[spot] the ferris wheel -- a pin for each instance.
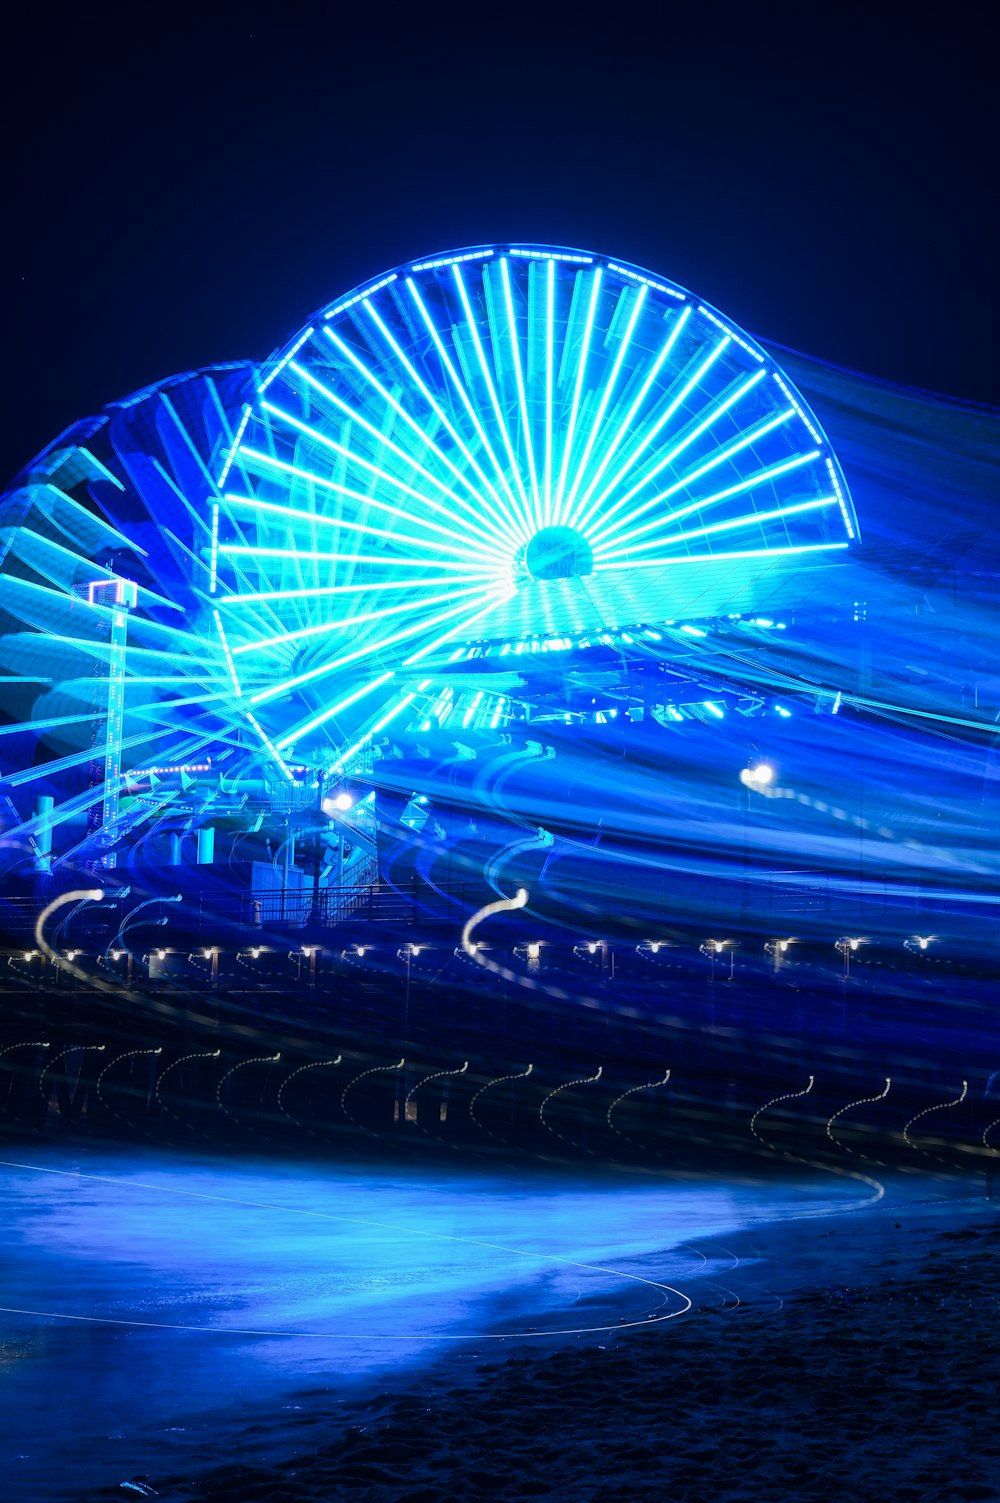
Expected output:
(485, 457)
(495, 446)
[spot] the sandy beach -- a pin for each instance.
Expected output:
(849, 1357)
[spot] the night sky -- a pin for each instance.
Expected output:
(185, 188)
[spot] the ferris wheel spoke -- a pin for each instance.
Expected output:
(305, 727)
(274, 508)
(235, 435)
(314, 591)
(509, 519)
(702, 503)
(477, 344)
(550, 309)
(358, 619)
(490, 536)
(673, 454)
(322, 669)
(496, 516)
(625, 427)
(79, 758)
(656, 428)
(751, 519)
(720, 456)
(459, 626)
(335, 488)
(382, 439)
(581, 369)
(522, 398)
(607, 390)
(239, 572)
(380, 725)
(382, 560)
(410, 422)
(719, 557)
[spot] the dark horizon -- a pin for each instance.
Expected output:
(183, 197)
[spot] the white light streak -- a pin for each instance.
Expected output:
(581, 369)
(234, 446)
(342, 704)
(439, 413)
(274, 508)
(704, 558)
(609, 387)
(515, 352)
(228, 655)
(352, 657)
(702, 503)
(491, 533)
(509, 520)
(718, 411)
(477, 345)
(700, 532)
(361, 497)
(379, 725)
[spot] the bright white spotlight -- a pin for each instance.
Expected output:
(758, 776)
(338, 803)
(534, 950)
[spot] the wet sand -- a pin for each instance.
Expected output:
(852, 1357)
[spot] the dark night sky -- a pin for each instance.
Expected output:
(186, 189)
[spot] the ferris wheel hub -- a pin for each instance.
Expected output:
(558, 553)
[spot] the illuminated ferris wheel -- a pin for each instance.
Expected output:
(494, 447)
(483, 458)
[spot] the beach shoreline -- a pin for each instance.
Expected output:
(850, 1355)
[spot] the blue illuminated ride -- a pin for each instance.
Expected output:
(254, 575)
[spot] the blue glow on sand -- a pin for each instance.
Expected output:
(383, 1268)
